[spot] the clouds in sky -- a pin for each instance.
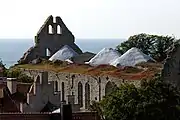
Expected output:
(91, 18)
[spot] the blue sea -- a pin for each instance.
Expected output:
(11, 50)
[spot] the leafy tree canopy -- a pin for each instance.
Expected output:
(154, 100)
(153, 45)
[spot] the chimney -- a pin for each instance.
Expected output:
(12, 84)
(71, 99)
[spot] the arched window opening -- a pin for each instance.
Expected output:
(110, 86)
(56, 86)
(87, 96)
(36, 84)
(72, 81)
(50, 29)
(80, 94)
(37, 80)
(48, 52)
(59, 31)
(99, 88)
(62, 90)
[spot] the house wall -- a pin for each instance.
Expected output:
(97, 85)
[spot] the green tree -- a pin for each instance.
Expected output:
(16, 73)
(154, 100)
(153, 45)
(3, 68)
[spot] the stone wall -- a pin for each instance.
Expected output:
(48, 116)
(40, 93)
(24, 116)
(51, 37)
(93, 87)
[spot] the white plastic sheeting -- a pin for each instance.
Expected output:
(69, 61)
(64, 53)
(132, 57)
(57, 111)
(105, 56)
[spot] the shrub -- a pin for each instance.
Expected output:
(154, 100)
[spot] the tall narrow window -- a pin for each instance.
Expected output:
(59, 31)
(99, 88)
(179, 67)
(62, 90)
(80, 94)
(87, 95)
(56, 86)
(50, 29)
(73, 76)
(110, 87)
(37, 79)
(48, 52)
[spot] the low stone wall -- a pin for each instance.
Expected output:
(24, 116)
(48, 116)
(85, 116)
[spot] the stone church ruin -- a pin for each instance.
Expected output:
(78, 84)
(51, 37)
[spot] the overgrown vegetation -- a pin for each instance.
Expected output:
(153, 45)
(16, 73)
(154, 100)
(3, 68)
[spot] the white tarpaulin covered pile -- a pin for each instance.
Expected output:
(105, 56)
(64, 53)
(57, 111)
(132, 57)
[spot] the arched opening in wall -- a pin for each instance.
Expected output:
(110, 86)
(59, 30)
(80, 94)
(56, 86)
(62, 90)
(48, 52)
(99, 82)
(36, 84)
(37, 79)
(50, 29)
(87, 96)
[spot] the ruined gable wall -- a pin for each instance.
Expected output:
(54, 41)
(53, 35)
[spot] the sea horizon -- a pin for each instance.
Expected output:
(11, 50)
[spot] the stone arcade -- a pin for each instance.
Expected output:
(80, 89)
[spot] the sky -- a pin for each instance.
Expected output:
(91, 18)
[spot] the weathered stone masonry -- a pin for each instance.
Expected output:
(51, 37)
(84, 88)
